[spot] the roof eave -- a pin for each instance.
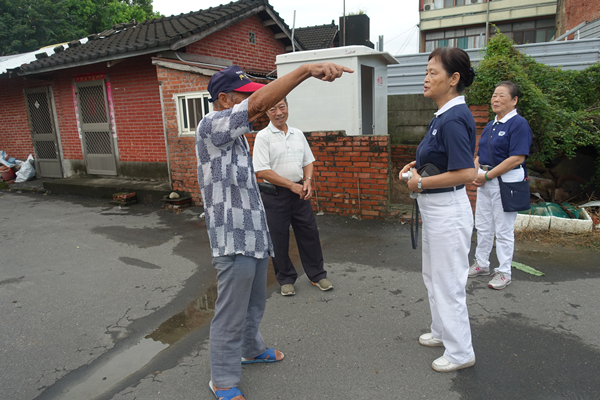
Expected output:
(82, 63)
(283, 27)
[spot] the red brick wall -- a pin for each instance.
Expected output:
(137, 106)
(182, 153)
(578, 11)
(343, 164)
(138, 110)
(233, 44)
(15, 138)
(346, 166)
(136, 101)
(351, 171)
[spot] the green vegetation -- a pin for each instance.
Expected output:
(562, 106)
(27, 25)
(358, 12)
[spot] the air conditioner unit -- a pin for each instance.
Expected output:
(428, 7)
(476, 1)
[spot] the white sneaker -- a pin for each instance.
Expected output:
(443, 365)
(428, 340)
(476, 270)
(499, 281)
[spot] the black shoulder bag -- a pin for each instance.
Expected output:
(515, 195)
(425, 171)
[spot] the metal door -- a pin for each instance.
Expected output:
(97, 139)
(40, 111)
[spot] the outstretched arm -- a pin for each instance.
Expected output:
(264, 98)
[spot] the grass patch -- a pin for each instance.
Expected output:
(578, 241)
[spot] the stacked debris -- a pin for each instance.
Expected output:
(175, 201)
(13, 170)
(124, 198)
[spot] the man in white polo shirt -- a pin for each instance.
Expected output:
(283, 158)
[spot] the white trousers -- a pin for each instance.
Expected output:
(490, 220)
(447, 229)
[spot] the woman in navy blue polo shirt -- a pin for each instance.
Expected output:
(445, 208)
(508, 138)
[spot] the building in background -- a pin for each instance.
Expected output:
(579, 17)
(463, 23)
(318, 37)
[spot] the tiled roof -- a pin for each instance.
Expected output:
(151, 36)
(317, 37)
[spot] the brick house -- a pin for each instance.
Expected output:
(125, 102)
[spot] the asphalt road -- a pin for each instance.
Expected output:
(108, 303)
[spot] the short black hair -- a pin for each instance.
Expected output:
(454, 60)
(513, 89)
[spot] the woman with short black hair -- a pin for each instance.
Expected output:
(445, 207)
(503, 149)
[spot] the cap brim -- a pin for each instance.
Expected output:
(250, 87)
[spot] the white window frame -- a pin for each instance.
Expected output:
(183, 116)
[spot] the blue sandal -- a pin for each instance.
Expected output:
(268, 356)
(225, 394)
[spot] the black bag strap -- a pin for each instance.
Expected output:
(414, 229)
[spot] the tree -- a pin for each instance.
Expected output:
(27, 25)
(561, 106)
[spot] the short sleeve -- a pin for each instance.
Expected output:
(260, 154)
(308, 155)
(228, 125)
(520, 138)
(459, 145)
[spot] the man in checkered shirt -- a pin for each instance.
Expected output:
(235, 217)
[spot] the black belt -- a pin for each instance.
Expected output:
(443, 190)
(487, 168)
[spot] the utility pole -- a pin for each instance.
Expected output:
(344, 19)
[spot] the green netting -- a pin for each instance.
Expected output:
(546, 210)
(552, 210)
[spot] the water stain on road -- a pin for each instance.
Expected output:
(136, 262)
(539, 363)
(198, 312)
(120, 367)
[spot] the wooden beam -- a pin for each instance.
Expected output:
(195, 58)
(280, 35)
(269, 22)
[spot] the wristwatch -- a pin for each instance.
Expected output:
(419, 185)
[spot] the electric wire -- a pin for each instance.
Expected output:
(407, 41)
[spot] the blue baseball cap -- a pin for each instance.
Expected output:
(231, 79)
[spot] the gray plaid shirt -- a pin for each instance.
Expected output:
(235, 217)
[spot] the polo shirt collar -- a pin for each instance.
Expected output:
(273, 129)
(506, 117)
(454, 102)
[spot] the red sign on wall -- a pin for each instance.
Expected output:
(89, 77)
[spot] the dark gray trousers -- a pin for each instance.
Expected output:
(284, 209)
(234, 332)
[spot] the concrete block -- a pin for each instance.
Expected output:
(410, 117)
(537, 222)
(411, 102)
(582, 225)
(531, 222)
(407, 134)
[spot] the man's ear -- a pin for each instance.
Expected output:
(225, 100)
